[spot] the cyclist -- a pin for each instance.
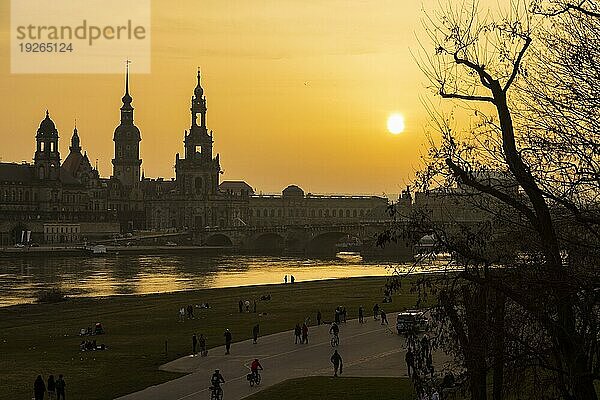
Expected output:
(254, 367)
(216, 381)
(335, 329)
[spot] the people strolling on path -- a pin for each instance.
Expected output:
(51, 387)
(240, 305)
(255, 331)
(319, 317)
(60, 388)
(361, 315)
(376, 311)
(383, 315)
(228, 338)
(297, 334)
(194, 344)
(304, 333)
(202, 344)
(410, 361)
(39, 388)
(336, 360)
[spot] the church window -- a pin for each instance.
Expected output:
(341, 214)
(362, 213)
(348, 213)
(334, 213)
(42, 172)
(42, 146)
(354, 213)
(327, 213)
(272, 212)
(320, 213)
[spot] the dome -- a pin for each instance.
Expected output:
(293, 191)
(47, 126)
(127, 132)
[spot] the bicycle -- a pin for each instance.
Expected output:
(335, 340)
(253, 378)
(216, 393)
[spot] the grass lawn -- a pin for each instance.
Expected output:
(43, 338)
(341, 388)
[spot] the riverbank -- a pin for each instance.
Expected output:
(85, 251)
(43, 338)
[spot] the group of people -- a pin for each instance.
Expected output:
(301, 333)
(340, 314)
(188, 311)
(419, 364)
(91, 345)
(292, 279)
(199, 343)
(54, 388)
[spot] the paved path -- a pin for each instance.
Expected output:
(367, 349)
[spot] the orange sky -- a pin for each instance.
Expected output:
(298, 92)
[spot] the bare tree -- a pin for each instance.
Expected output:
(530, 76)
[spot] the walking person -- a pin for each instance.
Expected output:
(227, 335)
(361, 315)
(240, 305)
(254, 308)
(336, 360)
(297, 333)
(51, 388)
(285, 279)
(194, 344)
(255, 331)
(383, 315)
(202, 343)
(39, 388)
(410, 361)
(292, 279)
(376, 311)
(318, 317)
(60, 388)
(305, 333)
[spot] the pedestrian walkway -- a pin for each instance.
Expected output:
(368, 350)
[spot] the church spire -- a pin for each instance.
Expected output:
(198, 91)
(126, 108)
(75, 145)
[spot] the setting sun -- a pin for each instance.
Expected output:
(395, 124)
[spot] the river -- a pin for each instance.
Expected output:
(22, 278)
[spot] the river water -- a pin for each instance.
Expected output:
(22, 279)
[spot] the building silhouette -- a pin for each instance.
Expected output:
(53, 202)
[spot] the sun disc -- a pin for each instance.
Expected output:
(395, 124)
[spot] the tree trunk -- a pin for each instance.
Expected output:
(498, 350)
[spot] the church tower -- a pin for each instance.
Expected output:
(127, 138)
(47, 156)
(198, 173)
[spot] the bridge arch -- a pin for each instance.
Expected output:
(325, 243)
(218, 239)
(268, 241)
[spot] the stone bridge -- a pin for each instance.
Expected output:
(303, 239)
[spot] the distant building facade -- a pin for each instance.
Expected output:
(49, 201)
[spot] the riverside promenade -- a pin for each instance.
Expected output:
(368, 350)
